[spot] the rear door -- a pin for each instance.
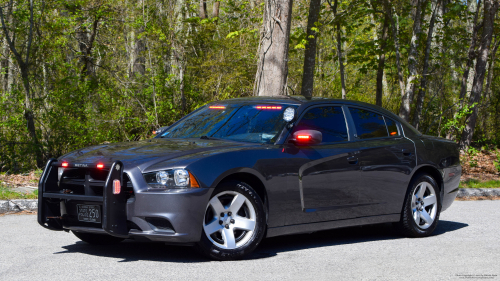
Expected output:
(326, 175)
(386, 160)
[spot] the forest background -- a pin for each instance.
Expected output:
(81, 72)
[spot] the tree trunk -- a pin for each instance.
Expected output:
(423, 81)
(139, 62)
(24, 68)
(203, 9)
(491, 68)
(406, 100)
(310, 52)
(381, 63)
(490, 9)
(471, 55)
(341, 63)
(85, 42)
(395, 37)
(181, 87)
(215, 9)
(272, 68)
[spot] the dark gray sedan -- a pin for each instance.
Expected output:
(233, 172)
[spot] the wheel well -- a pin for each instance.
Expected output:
(254, 182)
(434, 173)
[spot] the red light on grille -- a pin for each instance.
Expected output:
(117, 187)
(217, 107)
(394, 133)
(268, 107)
(303, 137)
(64, 164)
(100, 166)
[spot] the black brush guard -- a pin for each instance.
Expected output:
(51, 205)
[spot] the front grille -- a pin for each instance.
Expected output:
(86, 181)
(83, 181)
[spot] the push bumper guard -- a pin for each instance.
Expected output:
(52, 202)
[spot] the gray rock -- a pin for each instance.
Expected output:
(26, 205)
(20, 205)
(4, 206)
(478, 192)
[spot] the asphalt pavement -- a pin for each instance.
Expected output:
(465, 246)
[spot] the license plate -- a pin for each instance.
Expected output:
(89, 213)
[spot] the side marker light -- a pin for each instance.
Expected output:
(117, 187)
(194, 182)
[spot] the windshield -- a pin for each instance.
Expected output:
(249, 123)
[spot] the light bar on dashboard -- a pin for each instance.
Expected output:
(217, 107)
(267, 107)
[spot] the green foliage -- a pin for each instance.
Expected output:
(151, 62)
(8, 194)
(474, 183)
(497, 162)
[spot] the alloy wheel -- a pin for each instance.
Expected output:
(424, 205)
(230, 220)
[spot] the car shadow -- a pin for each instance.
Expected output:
(129, 251)
(352, 235)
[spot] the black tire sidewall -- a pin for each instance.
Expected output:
(407, 224)
(214, 252)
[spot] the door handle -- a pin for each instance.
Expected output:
(406, 152)
(352, 160)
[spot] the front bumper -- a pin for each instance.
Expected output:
(171, 216)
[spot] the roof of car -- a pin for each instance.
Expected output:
(299, 100)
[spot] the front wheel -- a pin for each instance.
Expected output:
(234, 222)
(422, 207)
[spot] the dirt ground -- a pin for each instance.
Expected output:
(480, 166)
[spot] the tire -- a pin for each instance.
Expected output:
(422, 207)
(241, 228)
(97, 239)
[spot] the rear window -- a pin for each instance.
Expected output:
(368, 124)
(391, 127)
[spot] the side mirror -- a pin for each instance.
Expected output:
(307, 137)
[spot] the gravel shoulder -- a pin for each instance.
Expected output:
(465, 244)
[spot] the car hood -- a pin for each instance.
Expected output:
(144, 153)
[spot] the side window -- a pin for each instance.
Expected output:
(368, 124)
(329, 120)
(391, 127)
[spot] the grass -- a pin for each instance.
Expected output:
(8, 194)
(473, 183)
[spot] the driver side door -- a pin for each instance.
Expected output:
(327, 173)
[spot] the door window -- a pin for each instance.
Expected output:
(368, 124)
(329, 120)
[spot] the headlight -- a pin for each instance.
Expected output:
(178, 178)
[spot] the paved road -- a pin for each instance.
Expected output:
(465, 244)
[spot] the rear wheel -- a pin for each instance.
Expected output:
(97, 239)
(234, 222)
(422, 207)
